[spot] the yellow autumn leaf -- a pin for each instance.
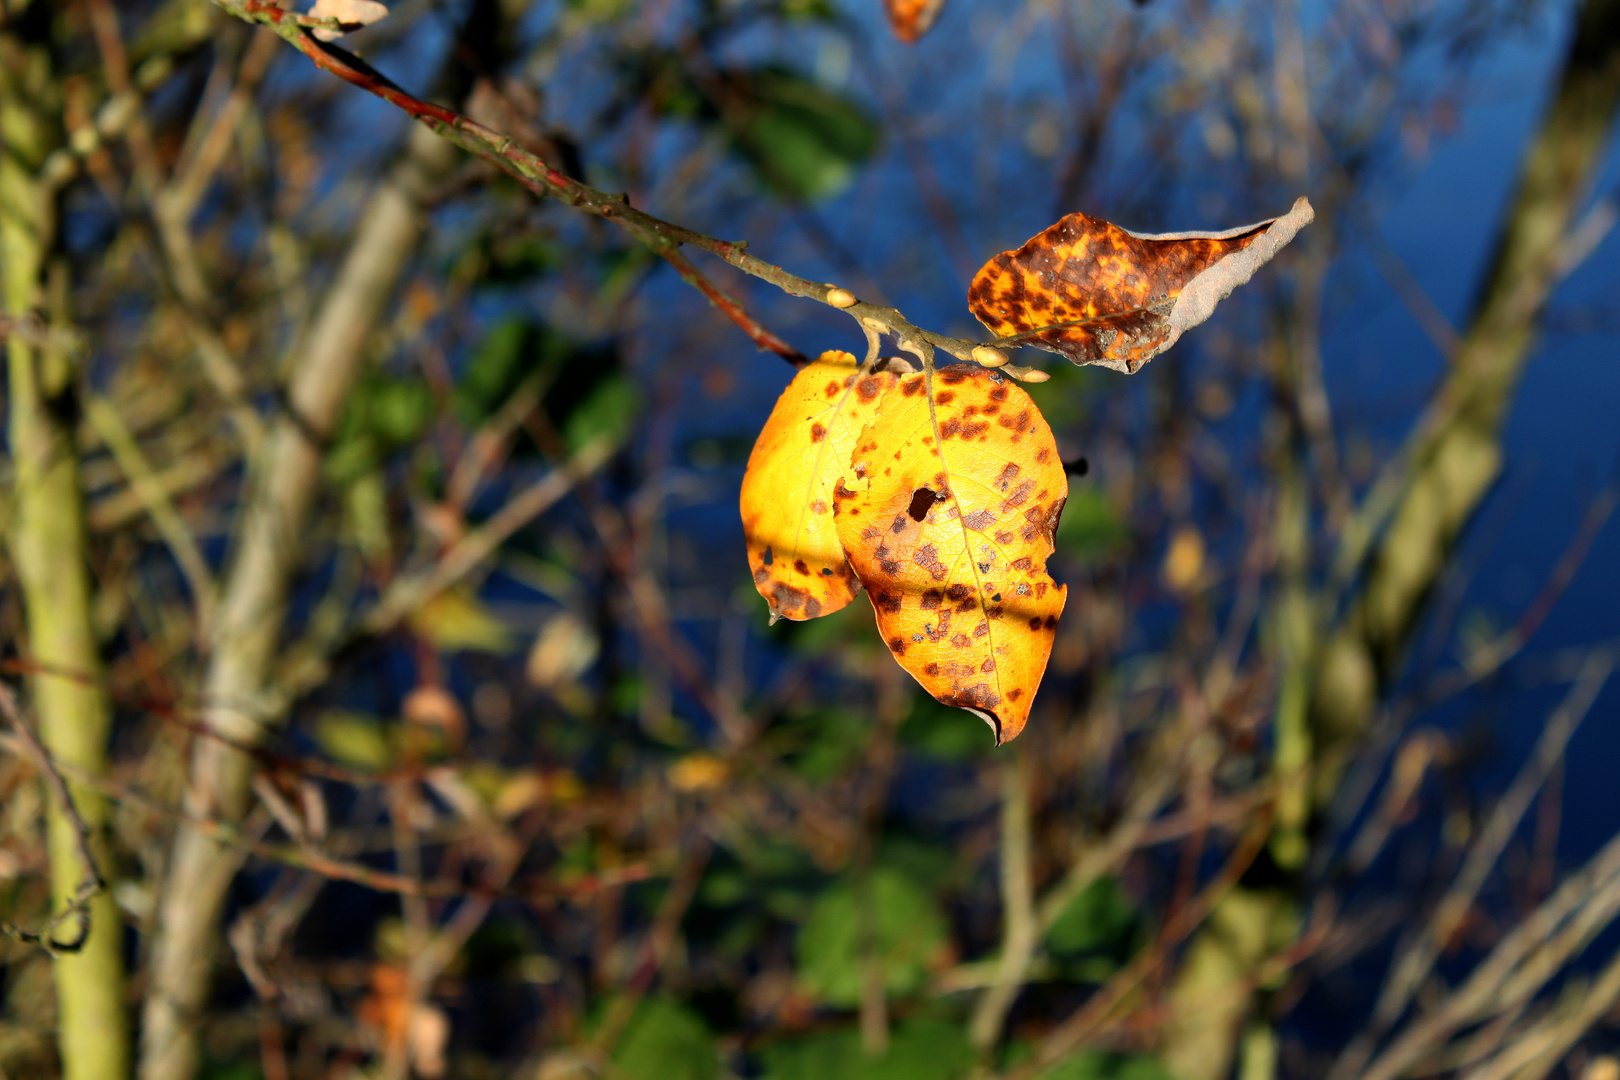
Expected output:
(787, 492)
(948, 517)
(456, 619)
(1184, 560)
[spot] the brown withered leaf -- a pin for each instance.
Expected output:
(947, 518)
(1100, 294)
(911, 19)
(787, 492)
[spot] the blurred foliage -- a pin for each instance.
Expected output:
(918, 1050)
(666, 1041)
(884, 918)
(596, 744)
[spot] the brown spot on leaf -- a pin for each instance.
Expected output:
(977, 696)
(928, 558)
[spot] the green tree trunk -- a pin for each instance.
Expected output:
(48, 547)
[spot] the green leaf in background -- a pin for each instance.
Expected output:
(606, 411)
(1102, 1065)
(399, 409)
(456, 619)
(357, 740)
(803, 140)
(944, 734)
(821, 744)
(908, 924)
(918, 1050)
(495, 369)
(381, 415)
(1090, 528)
(1101, 917)
(665, 1040)
(928, 863)
(229, 1070)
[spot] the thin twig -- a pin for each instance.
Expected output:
(505, 153)
(91, 883)
(1417, 957)
(1021, 934)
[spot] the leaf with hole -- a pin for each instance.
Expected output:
(956, 489)
(1100, 294)
(787, 491)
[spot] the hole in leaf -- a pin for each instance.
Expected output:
(921, 500)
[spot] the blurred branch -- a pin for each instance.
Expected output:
(184, 272)
(1086, 1020)
(237, 687)
(1022, 930)
(1455, 454)
(144, 482)
(1417, 955)
(1518, 967)
(92, 884)
(503, 152)
(406, 594)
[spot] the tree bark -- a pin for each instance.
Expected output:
(49, 549)
(239, 701)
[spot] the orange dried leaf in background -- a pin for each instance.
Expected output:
(948, 519)
(787, 492)
(1135, 294)
(911, 19)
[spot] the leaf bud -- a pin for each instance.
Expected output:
(988, 357)
(840, 298)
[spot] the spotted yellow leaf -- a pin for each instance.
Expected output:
(787, 492)
(947, 517)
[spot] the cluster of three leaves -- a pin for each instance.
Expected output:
(939, 492)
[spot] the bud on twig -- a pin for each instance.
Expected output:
(840, 298)
(1024, 374)
(991, 358)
